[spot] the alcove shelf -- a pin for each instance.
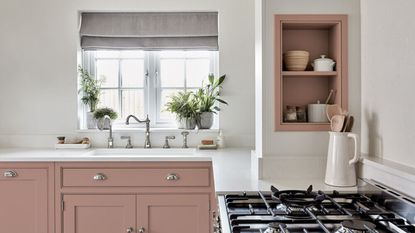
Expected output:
(319, 35)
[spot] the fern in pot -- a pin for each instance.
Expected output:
(99, 115)
(207, 98)
(91, 91)
(185, 106)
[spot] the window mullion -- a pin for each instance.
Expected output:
(120, 108)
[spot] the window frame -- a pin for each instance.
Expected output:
(152, 88)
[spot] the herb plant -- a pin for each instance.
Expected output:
(184, 105)
(101, 112)
(90, 89)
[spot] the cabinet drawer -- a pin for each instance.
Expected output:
(134, 177)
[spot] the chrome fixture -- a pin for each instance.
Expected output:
(130, 230)
(129, 145)
(172, 177)
(110, 143)
(185, 134)
(147, 143)
(10, 173)
(166, 142)
(100, 176)
(141, 230)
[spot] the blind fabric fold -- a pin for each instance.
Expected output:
(149, 31)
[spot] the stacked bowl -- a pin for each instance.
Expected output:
(296, 60)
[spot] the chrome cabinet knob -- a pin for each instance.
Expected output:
(100, 176)
(10, 173)
(172, 177)
(130, 230)
(141, 230)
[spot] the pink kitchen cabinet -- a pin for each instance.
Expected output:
(185, 213)
(26, 198)
(139, 197)
(99, 213)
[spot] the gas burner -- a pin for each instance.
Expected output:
(354, 226)
(275, 227)
(297, 198)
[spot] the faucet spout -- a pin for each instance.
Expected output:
(101, 127)
(147, 143)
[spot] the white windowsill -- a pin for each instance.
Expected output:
(154, 130)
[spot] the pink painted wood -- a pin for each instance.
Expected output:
(26, 200)
(99, 213)
(130, 187)
(173, 213)
(318, 34)
(147, 177)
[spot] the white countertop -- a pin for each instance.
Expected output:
(231, 167)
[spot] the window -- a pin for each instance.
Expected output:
(140, 82)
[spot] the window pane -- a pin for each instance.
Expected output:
(132, 54)
(198, 54)
(107, 54)
(109, 98)
(133, 103)
(108, 71)
(132, 73)
(197, 70)
(172, 72)
(165, 97)
(172, 54)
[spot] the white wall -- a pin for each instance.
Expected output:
(38, 47)
(307, 149)
(388, 68)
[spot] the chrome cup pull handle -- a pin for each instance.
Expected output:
(130, 230)
(100, 176)
(10, 173)
(172, 177)
(141, 230)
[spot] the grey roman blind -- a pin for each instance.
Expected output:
(149, 30)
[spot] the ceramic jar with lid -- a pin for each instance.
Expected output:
(323, 64)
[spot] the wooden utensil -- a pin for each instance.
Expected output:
(329, 97)
(332, 110)
(346, 123)
(337, 122)
(350, 124)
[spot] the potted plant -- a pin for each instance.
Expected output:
(185, 106)
(99, 115)
(207, 98)
(91, 90)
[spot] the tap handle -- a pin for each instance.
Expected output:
(166, 142)
(128, 138)
(185, 134)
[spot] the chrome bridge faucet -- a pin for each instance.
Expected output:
(147, 143)
(101, 126)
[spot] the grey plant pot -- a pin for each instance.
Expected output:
(91, 122)
(102, 124)
(205, 120)
(186, 123)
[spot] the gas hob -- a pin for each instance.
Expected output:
(373, 209)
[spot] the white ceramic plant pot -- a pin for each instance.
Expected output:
(91, 122)
(341, 159)
(186, 123)
(103, 124)
(205, 120)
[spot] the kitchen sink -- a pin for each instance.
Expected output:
(142, 152)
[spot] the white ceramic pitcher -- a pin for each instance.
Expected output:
(341, 159)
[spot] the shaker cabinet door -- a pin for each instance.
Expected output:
(24, 200)
(99, 213)
(165, 213)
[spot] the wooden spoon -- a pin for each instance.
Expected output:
(332, 110)
(337, 122)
